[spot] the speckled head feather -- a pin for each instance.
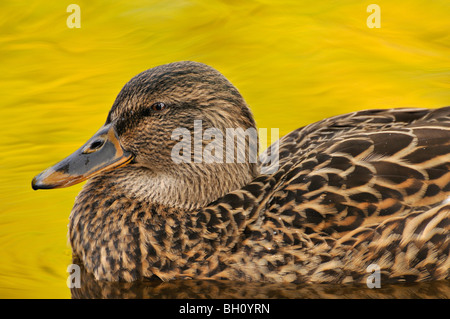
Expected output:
(188, 88)
(190, 92)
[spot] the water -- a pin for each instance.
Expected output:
(295, 62)
(222, 289)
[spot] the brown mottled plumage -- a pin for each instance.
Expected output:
(352, 190)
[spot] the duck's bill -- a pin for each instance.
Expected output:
(101, 153)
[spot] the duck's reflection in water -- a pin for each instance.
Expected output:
(201, 289)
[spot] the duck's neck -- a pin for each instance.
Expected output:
(186, 187)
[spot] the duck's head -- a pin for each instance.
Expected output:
(150, 133)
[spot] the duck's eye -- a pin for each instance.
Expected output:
(158, 106)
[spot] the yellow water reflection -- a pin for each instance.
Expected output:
(295, 62)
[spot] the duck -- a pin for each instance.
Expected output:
(346, 199)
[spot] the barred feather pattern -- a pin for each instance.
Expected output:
(369, 187)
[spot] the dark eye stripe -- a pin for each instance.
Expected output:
(130, 119)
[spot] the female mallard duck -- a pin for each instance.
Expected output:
(369, 187)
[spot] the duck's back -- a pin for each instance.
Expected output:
(369, 187)
(360, 168)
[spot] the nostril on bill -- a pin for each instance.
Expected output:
(97, 144)
(94, 146)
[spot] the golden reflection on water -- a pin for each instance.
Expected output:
(295, 62)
